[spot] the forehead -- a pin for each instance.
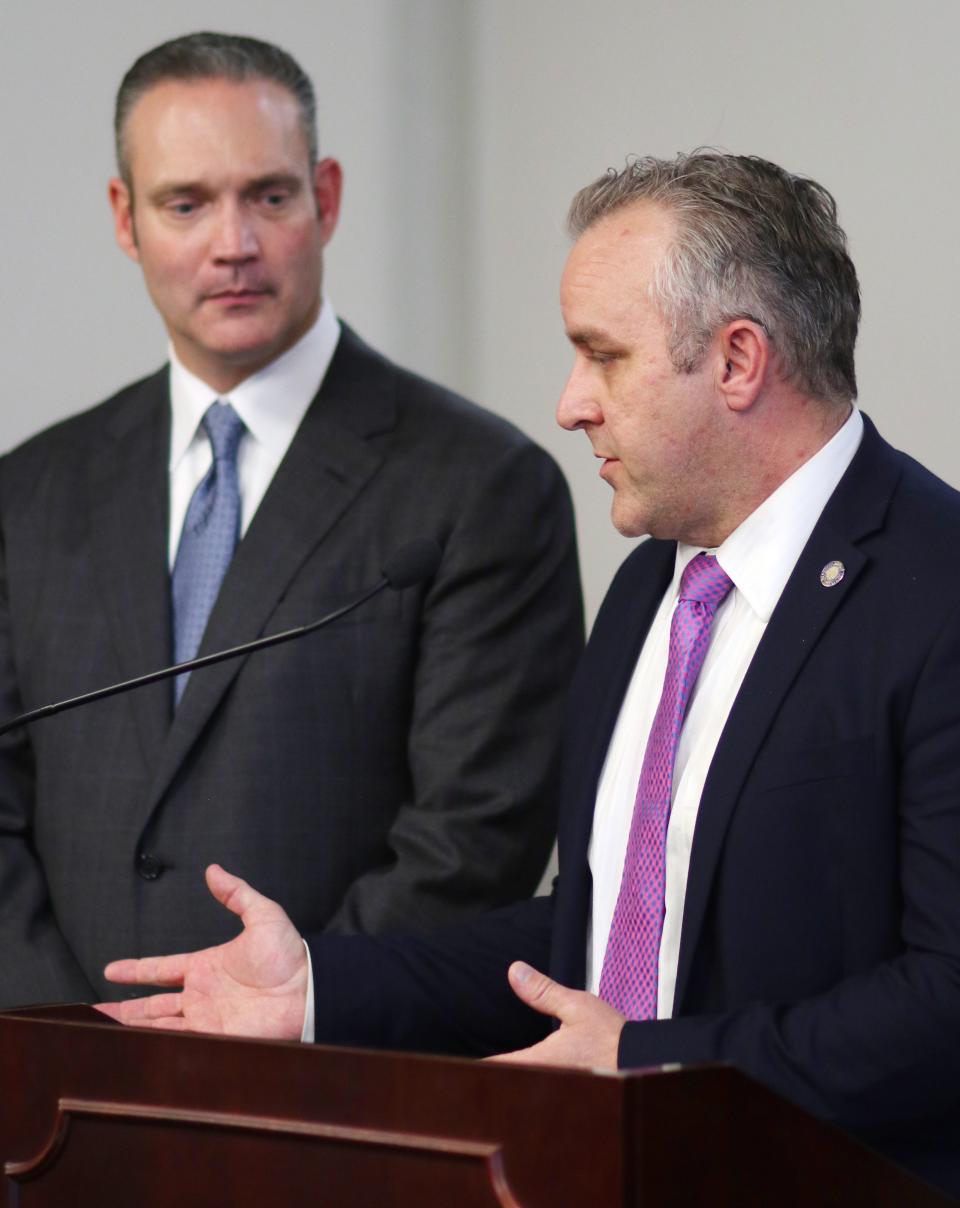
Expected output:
(623, 247)
(195, 127)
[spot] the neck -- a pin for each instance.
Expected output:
(786, 437)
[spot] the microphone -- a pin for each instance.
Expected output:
(407, 566)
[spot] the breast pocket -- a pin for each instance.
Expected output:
(319, 595)
(787, 768)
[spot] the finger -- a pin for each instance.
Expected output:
(544, 1052)
(517, 1057)
(143, 1011)
(538, 991)
(110, 1009)
(174, 1023)
(224, 887)
(241, 898)
(148, 971)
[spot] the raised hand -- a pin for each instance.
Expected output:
(589, 1032)
(254, 985)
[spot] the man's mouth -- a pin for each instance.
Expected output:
(238, 296)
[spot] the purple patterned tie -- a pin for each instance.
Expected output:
(628, 980)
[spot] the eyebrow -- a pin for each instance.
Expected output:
(173, 189)
(591, 336)
(272, 180)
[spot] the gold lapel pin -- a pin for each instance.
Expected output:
(832, 573)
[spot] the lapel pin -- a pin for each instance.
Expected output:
(832, 573)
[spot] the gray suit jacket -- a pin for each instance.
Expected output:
(395, 770)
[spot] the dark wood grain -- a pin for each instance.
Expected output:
(93, 1114)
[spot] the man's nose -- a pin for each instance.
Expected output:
(578, 405)
(235, 238)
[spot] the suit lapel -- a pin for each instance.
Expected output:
(596, 699)
(805, 610)
(128, 507)
(329, 462)
(614, 648)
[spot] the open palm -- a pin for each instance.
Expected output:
(254, 985)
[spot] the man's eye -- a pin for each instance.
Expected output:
(274, 198)
(181, 209)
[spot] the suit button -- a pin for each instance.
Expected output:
(149, 867)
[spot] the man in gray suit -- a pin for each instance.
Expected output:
(395, 770)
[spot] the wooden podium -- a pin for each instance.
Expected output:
(96, 1115)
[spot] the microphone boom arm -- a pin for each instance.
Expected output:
(207, 660)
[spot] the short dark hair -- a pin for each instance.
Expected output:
(211, 56)
(753, 242)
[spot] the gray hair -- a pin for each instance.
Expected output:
(752, 242)
(212, 56)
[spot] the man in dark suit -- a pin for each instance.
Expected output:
(760, 820)
(395, 770)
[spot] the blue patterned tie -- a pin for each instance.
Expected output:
(209, 537)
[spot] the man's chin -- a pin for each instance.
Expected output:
(629, 522)
(240, 342)
(247, 335)
(234, 346)
(224, 363)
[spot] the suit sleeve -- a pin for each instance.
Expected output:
(443, 993)
(501, 630)
(880, 1047)
(37, 965)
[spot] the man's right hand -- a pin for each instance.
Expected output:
(254, 985)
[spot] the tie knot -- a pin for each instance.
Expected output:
(224, 428)
(705, 581)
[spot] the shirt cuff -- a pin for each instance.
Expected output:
(309, 1026)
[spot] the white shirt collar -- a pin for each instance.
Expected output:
(271, 402)
(760, 554)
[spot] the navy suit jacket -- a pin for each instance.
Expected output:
(820, 947)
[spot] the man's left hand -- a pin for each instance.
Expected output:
(589, 1032)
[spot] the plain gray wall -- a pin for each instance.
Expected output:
(464, 127)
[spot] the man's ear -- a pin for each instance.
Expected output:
(745, 358)
(327, 189)
(123, 229)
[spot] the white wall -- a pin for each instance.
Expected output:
(464, 127)
(860, 94)
(393, 83)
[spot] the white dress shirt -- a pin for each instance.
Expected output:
(271, 404)
(759, 557)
